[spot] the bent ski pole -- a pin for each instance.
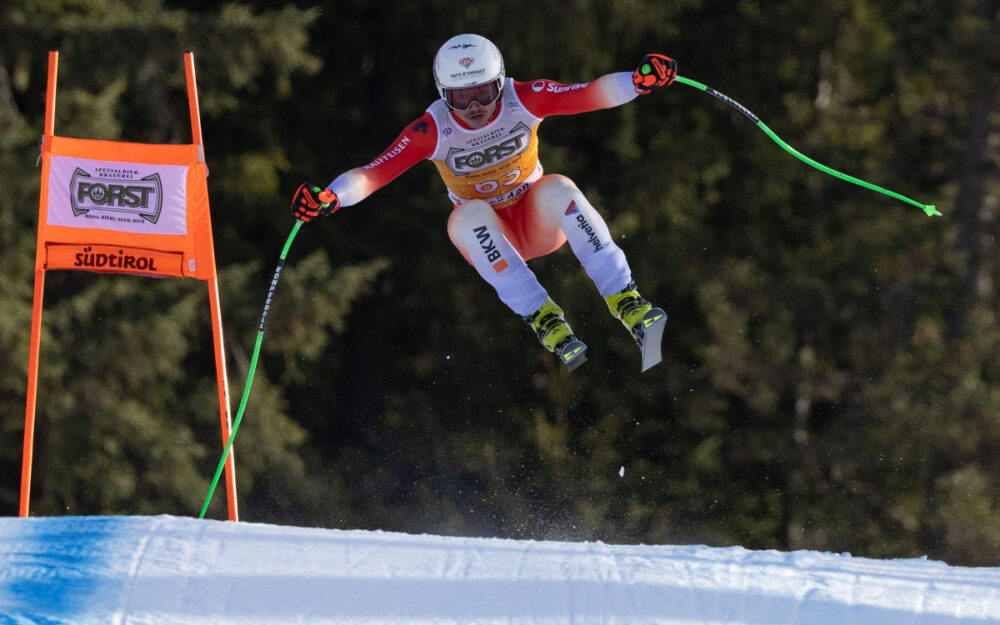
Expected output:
(930, 209)
(253, 367)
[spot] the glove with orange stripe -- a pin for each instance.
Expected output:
(655, 70)
(311, 201)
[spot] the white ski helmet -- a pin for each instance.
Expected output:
(466, 61)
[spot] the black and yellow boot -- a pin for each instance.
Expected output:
(549, 324)
(644, 321)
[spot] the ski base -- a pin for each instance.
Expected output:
(573, 354)
(653, 324)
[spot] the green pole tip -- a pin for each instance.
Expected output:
(931, 210)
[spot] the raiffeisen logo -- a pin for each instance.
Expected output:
(112, 190)
(466, 161)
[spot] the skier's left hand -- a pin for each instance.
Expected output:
(655, 70)
(310, 202)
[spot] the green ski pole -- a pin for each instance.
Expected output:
(927, 208)
(253, 367)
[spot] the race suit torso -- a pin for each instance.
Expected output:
(496, 163)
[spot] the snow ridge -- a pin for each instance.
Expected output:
(166, 570)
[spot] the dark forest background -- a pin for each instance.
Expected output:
(832, 370)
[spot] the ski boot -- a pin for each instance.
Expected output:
(643, 321)
(549, 324)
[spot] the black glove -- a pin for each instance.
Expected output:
(655, 70)
(311, 201)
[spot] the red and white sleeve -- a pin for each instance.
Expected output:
(413, 145)
(546, 97)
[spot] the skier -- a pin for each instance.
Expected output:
(482, 136)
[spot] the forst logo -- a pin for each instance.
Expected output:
(114, 191)
(466, 161)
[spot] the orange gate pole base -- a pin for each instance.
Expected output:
(223, 383)
(29, 411)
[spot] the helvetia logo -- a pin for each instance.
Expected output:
(592, 238)
(113, 191)
(91, 260)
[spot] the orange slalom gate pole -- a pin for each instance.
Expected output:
(57, 233)
(50, 93)
(223, 382)
(216, 311)
(36, 314)
(193, 98)
(29, 411)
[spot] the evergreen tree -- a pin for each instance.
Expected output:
(830, 379)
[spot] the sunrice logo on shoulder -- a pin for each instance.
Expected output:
(546, 85)
(115, 190)
(465, 161)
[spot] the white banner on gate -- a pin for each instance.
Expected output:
(127, 197)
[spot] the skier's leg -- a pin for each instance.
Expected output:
(555, 203)
(485, 242)
(481, 237)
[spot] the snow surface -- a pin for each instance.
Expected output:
(164, 570)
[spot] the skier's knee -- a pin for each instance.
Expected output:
(469, 215)
(553, 188)
(552, 194)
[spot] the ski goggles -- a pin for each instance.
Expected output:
(462, 98)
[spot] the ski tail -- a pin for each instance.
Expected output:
(573, 354)
(653, 324)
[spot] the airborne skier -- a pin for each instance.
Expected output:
(482, 136)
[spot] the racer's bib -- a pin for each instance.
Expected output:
(496, 163)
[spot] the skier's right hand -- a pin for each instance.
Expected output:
(311, 201)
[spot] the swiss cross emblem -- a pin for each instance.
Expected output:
(466, 62)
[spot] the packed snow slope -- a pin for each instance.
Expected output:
(162, 570)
